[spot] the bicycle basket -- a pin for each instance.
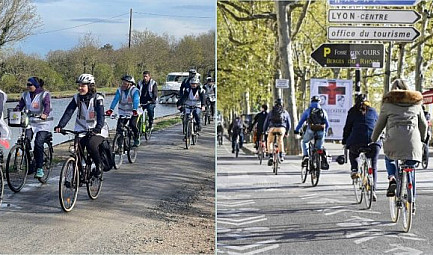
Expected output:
(17, 118)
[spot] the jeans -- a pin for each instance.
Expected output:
(391, 168)
(150, 112)
(241, 139)
(132, 125)
(196, 113)
(308, 136)
(38, 150)
(354, 154)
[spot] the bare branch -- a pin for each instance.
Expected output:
(250, 16)
(301, 18)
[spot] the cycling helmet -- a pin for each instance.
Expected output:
(128, 78)
(195, 80)
(279, 101)
(209, 78)
(340, 160)
(192, 71)
(86, 78)
(361, 98)
(315, 99)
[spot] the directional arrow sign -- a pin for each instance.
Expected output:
(373, 16)
(398, 34)
(374, 2)
(349, 55)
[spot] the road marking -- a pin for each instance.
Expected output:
(403, 250)
(244, 221)
(240, 249)
(235, 204)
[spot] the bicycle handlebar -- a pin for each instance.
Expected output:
(66, 131)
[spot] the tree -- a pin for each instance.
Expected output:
(18, 19)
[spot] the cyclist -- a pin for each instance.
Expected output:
(148, 95)
(260, 120)
(90, 116)
(277, 120)
(186, 83)
(359, 126)
(236, 129)
(5, 132)
(128, 97)
(210, 95)
(194, 96)
(317, 120)
(38, 102)
(402, 116)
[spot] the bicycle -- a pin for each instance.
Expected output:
(261, 148)
(404, 200)
(123, 142)
(77, 170)
(1, 177)
(143, 124)
(220, 134)
(276, 153)
(313, 165)
(190, 127)
(363, 184)
(425, 155)
(20, 158)
(206, 113)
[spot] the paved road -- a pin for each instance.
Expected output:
(164, 203)
(262, 213)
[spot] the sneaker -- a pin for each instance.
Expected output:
(324, 165)
(391, 188)
(413, 208)
(281, 157)
(96, 172)
(136, 142)
(233, 151)
(39, 173)
(354, 174)
(304, 160)
(270, 161)
(374, 196)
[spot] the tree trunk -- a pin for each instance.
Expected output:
(387, 69)
(419, 59)
(286, 63)
(400, 73)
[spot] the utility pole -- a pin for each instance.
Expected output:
(130, 27)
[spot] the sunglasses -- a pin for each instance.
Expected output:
(29, 84)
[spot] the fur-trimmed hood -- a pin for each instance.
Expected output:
(403, 97)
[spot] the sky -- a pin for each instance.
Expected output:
(64, 22)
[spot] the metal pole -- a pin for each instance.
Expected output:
(387, 69)
(130, 27)
(357, 81)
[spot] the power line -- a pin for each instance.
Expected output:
(176, 16)
(82, 25)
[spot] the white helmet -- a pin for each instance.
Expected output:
(195, 80)
(86, 78)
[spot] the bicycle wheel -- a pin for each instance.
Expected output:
(304, 173)
(368, 191)
(1, 185)
(194, 135)
(131, 151)
(47, 163)
(260, 154)
(315, 170)
(17, 166)
(140, 127)
(425, 156)
(94, 185)
(357, 188)
(406, 202)
(276, 163)
(68, 184)
(188, 132)
(118, 150)
(237, 149)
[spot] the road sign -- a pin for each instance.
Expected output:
(373, 16)
(398, 34)
(349, 55)
(375, 2)
(282, 83)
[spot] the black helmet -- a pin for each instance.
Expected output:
(279, 101)
(315, 99)
(340, 160)
(128, 78)
(361, 98)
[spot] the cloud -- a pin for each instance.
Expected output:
(96, 20)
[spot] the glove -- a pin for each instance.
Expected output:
(134, 113)
(109, 112)
(296, 132)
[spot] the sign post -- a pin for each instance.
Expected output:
(282, 83)
(375, 2)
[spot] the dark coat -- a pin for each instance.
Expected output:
(359, 127)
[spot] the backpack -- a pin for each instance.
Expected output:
(237, 125)
(277, 115)
(316, 119)
(107, 156)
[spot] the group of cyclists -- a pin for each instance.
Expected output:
(36, 101)
(402, 116)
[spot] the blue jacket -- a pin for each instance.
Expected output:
(306, 114)
(286, 122)
(135, 99)
(359, 128)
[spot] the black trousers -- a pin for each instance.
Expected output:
(91, 143)
(132, 124)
